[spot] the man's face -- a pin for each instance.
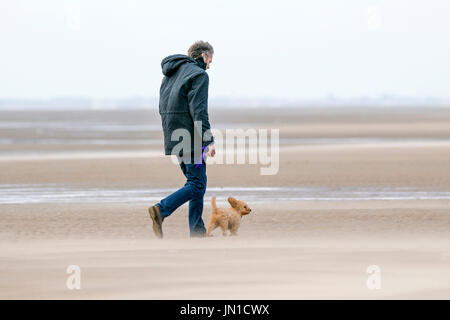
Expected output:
(207, 59)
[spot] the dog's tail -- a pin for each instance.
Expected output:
(213, 204)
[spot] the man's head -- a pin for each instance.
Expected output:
(201, 49)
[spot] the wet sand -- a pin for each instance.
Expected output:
(285, 250)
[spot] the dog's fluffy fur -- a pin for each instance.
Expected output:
(227, 219)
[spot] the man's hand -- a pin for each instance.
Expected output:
(211, 150)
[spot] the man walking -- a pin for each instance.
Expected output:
(183, 106)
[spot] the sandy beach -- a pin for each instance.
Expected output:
(355, 188)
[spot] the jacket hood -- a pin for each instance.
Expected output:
(171, 63)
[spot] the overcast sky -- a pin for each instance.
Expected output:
(280, 49)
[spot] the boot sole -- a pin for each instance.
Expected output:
(157, 228)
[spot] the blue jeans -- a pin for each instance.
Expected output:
(193, 191)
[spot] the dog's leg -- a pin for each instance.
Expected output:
(234, 228)
(211, 227)
(224, 229)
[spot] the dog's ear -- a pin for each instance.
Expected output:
(232, 201)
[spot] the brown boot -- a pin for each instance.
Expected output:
(155, 215)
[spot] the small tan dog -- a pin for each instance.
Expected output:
(227, 219)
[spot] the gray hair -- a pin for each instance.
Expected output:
(195, 51)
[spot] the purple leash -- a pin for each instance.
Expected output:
(203, 154)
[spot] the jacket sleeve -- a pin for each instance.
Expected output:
(198, 106)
